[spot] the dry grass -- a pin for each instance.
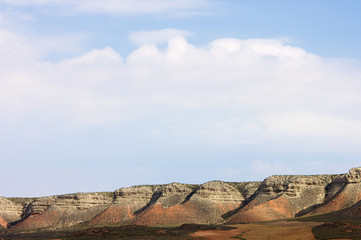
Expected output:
(264, 231)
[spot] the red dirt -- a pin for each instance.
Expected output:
(113, 215)
(223, 208)
(218, 234)
(341, 201)
(266, 231)
(278, 208)
(353, 211)
(190, 212)
(3, 222)
(178, 214)
(45, 219)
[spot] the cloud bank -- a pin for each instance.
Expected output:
(230, 91)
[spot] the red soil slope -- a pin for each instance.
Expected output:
(278, 208)
(3, 222)
(157, 214)
(198, 212)
(45, 219)
(175, 215)
(352, 212)
(345, 199)
(113, 214)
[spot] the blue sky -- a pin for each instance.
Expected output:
(97, 95)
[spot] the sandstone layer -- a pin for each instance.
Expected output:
(277, 197)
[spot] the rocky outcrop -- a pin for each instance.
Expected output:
(353, 176)
(215, 199)
(343, 192)
(218, 192)
(63, 210)
(277, 197)
(176, 204)
(167, 207)
(172, 204)
(10, 211)
(134, 201)
(283, 197)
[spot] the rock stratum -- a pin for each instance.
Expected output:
(215, 202)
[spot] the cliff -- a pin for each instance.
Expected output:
(277, 197)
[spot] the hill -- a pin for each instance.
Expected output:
(174, 204)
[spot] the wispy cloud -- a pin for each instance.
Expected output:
(143, 37)
(309, 125)
(264, 169)
(121, 6)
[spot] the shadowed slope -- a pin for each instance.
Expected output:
(63, 210)
(173, 204)
(282, 197)
(278, 208)
(344, 192)
(215, 202)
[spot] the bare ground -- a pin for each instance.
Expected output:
(272, 230)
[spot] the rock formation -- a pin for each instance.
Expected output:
(343, 192)
(214, 202)
(63, 210)
(10, 211)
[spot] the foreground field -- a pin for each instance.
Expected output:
(119, 232)
(272, 230)
(335, 226)
(290, 230)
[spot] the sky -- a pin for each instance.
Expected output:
(101, 94)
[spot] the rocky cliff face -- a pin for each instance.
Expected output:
(175, 203)
(276, 197)
(343, 192)
(283, 197)
(63, 210)
(10, 211)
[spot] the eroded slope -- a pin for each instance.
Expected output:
(277, 197)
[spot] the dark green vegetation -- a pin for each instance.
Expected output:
(337, 230)
(335, 226)
(328, 217)
(22, 201)
(194, 187)
(239, 237)
(108, 194)
(120, 232)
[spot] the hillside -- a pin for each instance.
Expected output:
(215, 202)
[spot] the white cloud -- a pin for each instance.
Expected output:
(234, 91)
(140, 6)
(263, 169)
(97, 56)
(120, 6)
(311, 125)
(157, 36)
(322, 167)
